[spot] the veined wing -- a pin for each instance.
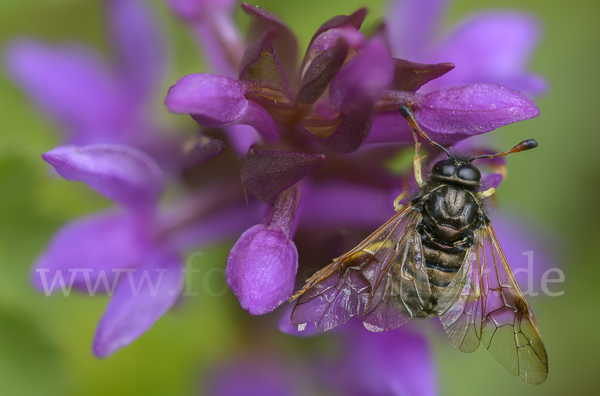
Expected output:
(344, 288)
(486, 305)
(401, 288)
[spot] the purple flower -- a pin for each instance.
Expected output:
(253, 376)
(94, 100)
(391, 363)
(360, 363)
(346, 88)
(131, 253)
(116, 251)
(261, 267)
(491, 46)
(300, 126)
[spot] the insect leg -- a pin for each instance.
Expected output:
(397, 205)
(490, 191)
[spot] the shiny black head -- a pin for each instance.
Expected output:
(455, 171)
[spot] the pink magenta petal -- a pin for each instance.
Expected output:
(213, 100)
(140, 299)
(88, 252)
(362, 80)
(411, 26)
(257, 117)
(121, 173)
(70, 83)
(453, 113)
(141, 50)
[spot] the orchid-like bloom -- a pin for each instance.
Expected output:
(94, 100)
(345, 90)
(117, 251)
(131, 253)
(310, 185)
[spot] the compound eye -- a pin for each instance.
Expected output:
(444, 168)
(469, 173)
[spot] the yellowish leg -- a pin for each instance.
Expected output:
(417, 163)
(487, 193)
(397, 205)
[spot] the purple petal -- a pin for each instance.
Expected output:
(389, 128)
(241, 137)
(220, 41)
(204, 149)
(390, 363)
(411, 25)
(262, 265)
(121, 173)
(261, 269)
(350, 133)
(85, 252)
(140, 299)
(285, 44)
(410, 76)
(193, 9)
(338, 203)
(346, 33)
(491, 180)
(222, 226)
(70, 83)
(454, 113)
(362, 80)
(268, 173)
(346, 26)
(321, 72)
(492, 47)
(213, 100)
(139, 45)
(253, 376)
(257, 117)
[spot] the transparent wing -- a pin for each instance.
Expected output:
(401, 288)
(485, 305)
(509, 330)
(344, 288)
(460, 306)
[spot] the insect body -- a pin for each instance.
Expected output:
(437, 256)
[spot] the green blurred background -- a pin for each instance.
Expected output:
(45, 343)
